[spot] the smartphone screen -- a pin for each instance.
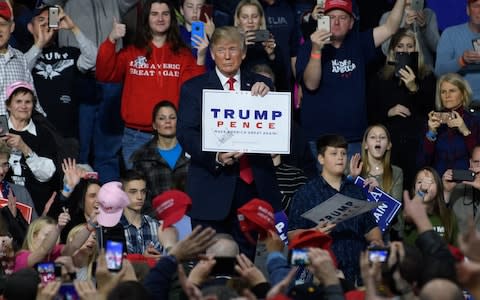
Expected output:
(198, 29)
(299, 257)
(208, 10)
(53, 17)
(46, 271)
(67, 292)
(114, 255)
(3, 125)
(378, 254)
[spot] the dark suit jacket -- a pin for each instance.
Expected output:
(212, 187)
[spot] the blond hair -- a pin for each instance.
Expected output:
(460, 83)
(241, 4)
(33, 230)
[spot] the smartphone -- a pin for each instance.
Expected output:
(378, 254)
(261, 35)
(67, 292)
(224, 266)
(476, 44)
(444, 117)
(404, 59)
(417, 5)
(208, 10)
(3, 125)
(323, 23)
(114, 255)
(198, 29)
(46, 271)
(53, 17)
(463, 175)
(299, 257)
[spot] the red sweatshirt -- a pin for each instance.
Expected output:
(145, 83)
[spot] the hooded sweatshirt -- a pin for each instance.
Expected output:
(146, 81)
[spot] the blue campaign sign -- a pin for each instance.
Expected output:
(281, 224)
(388, 208)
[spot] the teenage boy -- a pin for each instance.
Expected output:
(350, 237)
(143, 234)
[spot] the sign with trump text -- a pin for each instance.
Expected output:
(237, 121)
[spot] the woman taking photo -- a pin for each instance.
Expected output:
(162, 160)
(33, 148)
(452, 131)
(250, 19)
(401, 101)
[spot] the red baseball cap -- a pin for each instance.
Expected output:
(345, 5)
(170, 206)
(140, 258)
(313, 238)
(5, 11)
(256, 215)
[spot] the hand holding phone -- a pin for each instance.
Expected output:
(261, 35)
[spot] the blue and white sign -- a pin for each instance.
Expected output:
(388, 208)
(237, 121)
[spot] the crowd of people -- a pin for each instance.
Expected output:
(108, 192)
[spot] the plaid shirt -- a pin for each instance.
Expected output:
(138, 239)
(13, 67)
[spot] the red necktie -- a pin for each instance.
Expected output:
(231, 82)
(246, 173)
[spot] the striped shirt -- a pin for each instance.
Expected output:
(138, 239)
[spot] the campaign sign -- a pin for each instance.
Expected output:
(338, 208)
(388, 208)
(281, 225)
(237, 121)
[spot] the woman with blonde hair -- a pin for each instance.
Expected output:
(249, 18)
(452, 131)
(374, 163)
(85, 256)
(400, 100)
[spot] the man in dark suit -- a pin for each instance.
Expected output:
(216, 181)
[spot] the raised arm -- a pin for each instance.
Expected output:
(386, 30)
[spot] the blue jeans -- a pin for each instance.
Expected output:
(131, 141)
(87, 114)
(352, 149)
(108, 132)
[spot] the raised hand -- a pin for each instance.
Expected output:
(72, 173)
(63, 218)
(118, 31)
